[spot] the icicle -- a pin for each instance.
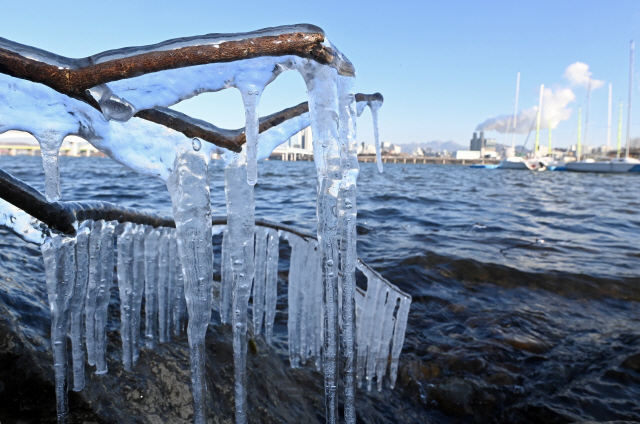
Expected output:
(251, 100)
(60, 267)
(178, 303)
(398, 337)
(367, 323)
(385, 339)
(77, 303)
(188, 185)
(125, 287)
(318, 306)
(137, 289)
(50, 142)
(259, 280)
(164, 298)
(323, 110)
(309, 299)
(104, 294)
(375, 106)
(375, 335)
(95, 239)
(241, 227)
(347, 211)
(271, 287)
(296, 270)
(226, 279)
(151, 270)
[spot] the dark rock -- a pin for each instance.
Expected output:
(454, 397)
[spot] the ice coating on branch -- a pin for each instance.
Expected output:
(375, 107)
(348, 211)
(60, 268)
(113, 107)
(376, 335)
(323, 109)
(153, 153)
(188, 186)
(241, 228)
(22, 224)
(104, 294)
(226, 279)
(137, 289)
(279, 134)
(125, 286)
(95, 239)
(77, 303)
(164, 276)
(260, 278)
(151, 269)
(271, 286)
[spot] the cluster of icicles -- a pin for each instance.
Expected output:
(182, 163)
(80, 273)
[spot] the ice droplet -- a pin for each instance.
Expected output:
(196, 143)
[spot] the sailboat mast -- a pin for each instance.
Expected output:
(537, 146)
(515, 114)
(549, 123)
(579, 148)
(620, 130)
(609, 120)
(630, 92)
(586, 121)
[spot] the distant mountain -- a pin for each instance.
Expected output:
(436, 145)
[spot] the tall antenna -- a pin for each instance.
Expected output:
(609, 120)
(630, 92)
(515, 113)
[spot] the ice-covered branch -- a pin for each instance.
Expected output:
(74, 76)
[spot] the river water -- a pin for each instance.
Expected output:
(525, 285)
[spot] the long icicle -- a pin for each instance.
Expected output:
(348, 211)
(60, 267)
(271, 288)
(188, 185)
(241, 227)
(125, 287)
(323, 110)
(77, 303)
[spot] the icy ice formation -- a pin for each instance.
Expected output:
(381, 300)
(120, 89)
(189, 189)
(271, 286)
(21, 223)
(60, 267)
(241, 229)
(78, 302)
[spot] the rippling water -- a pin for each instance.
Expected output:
(525, 284)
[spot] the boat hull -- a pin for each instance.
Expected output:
(604, 167)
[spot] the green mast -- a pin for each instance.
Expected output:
(579, 149)
(620, 130)
(537, 146)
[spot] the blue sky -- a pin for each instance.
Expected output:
(443, 67)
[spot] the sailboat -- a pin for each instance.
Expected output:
(517, 162)
(617, 165)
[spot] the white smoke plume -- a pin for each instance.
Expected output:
(554, 105)
(578, 74)
(554, 110)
